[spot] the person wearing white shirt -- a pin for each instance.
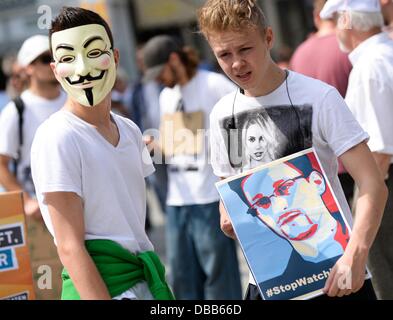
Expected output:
(89, 167)
(369, 97)
(202, 260)
(307, 113)
(42, 98)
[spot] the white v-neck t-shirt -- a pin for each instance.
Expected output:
(70, 155)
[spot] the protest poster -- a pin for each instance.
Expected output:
(16, 280)
(289, 225)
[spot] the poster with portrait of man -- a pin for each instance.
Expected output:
(289, 225)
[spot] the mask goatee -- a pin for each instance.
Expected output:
(89, 96)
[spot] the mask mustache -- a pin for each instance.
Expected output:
(88, 77)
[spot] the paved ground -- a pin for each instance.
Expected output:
(157, 236)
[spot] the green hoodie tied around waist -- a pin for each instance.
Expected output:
(121, 270)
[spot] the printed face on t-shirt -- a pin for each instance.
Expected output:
(258, 139)
(84, 63)
(266, 134)
(255, 142)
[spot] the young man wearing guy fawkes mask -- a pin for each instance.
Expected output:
(89, 167)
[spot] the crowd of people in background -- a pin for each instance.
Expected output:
(355, 59)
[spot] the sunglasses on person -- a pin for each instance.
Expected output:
(44, 59)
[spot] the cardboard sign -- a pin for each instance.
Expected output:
(43, 252)
(16, 280)
(181, 133)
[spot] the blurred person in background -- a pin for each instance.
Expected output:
(121, 94)
(42, 98)
(387, 11)
(4, 98)
(202, 260)
(19, 121)
(144, 110)
(18, 80)
(370, 96)
(320, 57)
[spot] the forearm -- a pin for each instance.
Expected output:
(372, 197)
(10, 183)
(369, 210)
(84, 273)
(383, 162)
(8, 180)
(223, 211)
(225, 222)
(351, 265)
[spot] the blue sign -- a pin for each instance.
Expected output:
(7, 260)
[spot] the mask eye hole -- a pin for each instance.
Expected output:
(95, 53)
(67, 59)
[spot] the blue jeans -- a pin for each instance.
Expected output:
(202, 259)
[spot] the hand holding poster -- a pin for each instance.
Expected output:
(289, 225)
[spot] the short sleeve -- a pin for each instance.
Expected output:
(9, 141)
(338, 127)
(55, 162)
(378, 115)
(218, 151)
(147, 163)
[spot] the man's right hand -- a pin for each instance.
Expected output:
(225, 223)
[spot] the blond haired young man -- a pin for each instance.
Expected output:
(309, 113)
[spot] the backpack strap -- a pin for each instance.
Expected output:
(20, 107)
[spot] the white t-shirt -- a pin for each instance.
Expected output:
(70, 155)
(37, 110)
(325, 123)
(370, 90)
(201, 93)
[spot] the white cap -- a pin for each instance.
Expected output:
(32, 48)
(333, 6)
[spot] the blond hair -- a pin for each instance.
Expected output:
(232, 15)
